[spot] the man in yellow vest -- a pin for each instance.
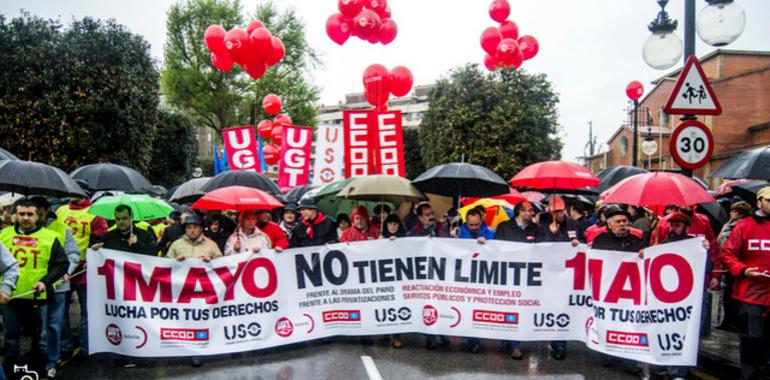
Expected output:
(42, 261)
(86, 229)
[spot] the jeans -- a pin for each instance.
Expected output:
(754, 333)
(15, 315)
(83, 329)
(56, 310)
(66, 343)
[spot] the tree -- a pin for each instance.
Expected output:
(503, 120)
(412, 156)
(85, 94)
(173, 150)
(221, 100)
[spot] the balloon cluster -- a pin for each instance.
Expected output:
(254, 49)
(272, 129)
(368, 20)
(379, 83)
(504, 47)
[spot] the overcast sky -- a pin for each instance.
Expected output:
(589, 49)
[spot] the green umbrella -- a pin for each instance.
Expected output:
(143, 207)
(326, 199)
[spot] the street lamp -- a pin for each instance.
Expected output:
(721, 22)
(663, 49)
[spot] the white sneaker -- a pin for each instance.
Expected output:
(51, 374)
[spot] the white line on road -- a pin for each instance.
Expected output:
(371, 369)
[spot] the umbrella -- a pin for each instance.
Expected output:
(295, 194)
(6, 155)
(112, 177)
(727, 187)
(189, 191)
(237, 198)
(157, 191)
(614, 174)
(461, 179)
(29, 177)
(245, 178)
(326, 199)
(550, 175)
(143, 206)
(497, 211)
(7, 199)
(656, 190)
(382, 188)
(715, 211)
(533, 196)
(748, 191)
(513, 197)
(751, 164)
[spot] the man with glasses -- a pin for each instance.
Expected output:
(427, 224)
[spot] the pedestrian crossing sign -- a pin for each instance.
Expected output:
(692, 94)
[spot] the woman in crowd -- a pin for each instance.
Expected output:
(248, 237)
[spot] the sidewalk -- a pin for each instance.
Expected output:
(718, 353)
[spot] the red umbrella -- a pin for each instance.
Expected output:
(554, 175)
(513, 197)
(656, 190)
(237, 198)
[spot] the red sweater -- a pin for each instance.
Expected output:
(748, 247)
(276, 234)
(353, 234)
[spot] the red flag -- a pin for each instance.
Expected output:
(241, 146)
(294, 167)
(374, 143)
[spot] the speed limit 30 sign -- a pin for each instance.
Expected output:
(691, 144)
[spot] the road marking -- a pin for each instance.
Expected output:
(371, 368)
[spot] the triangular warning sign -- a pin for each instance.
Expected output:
(692, 94)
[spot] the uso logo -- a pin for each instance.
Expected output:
(628, 339)
(113, 334)
(503, 318)
(284, 327)
(185, 335)
(342, 316)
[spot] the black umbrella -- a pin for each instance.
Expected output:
(28, 177)
(6, 155)
(715, 212)
(112, 177)
(748, 191)
(243, 178)
(751, 164)
(296, 193)
(189, 191)
(461, 179)
(157, 191)
(614, 174)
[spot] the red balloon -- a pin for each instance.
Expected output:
(634, 90)
(377, 99)
(366, 23)
(214, 37)
(261, 42)
(374, 37)
(378, 6)
(490, 62)
(237, 44)
(282, 119)
(222, 62)
(509, 29)
(264, 128)
(401, 81)
(490, 38)
(350, 8)
(271, 104)
(270, 152)
(276, 53)
(499, 10)
(256, 24)
(377, 81)
(276, 134)
(338, 28)
(255, 70)
(529, 46)
(509, 53)
(385, 13)
(389, 31)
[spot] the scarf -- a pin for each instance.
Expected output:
(310, 223)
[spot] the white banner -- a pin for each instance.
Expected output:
(642, 309)
(329, 150)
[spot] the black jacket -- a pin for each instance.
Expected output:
(323, 232)
(218, 237)
(145, 241)
(629, 243)
(510, 230)
(170, 234)
(568, 230)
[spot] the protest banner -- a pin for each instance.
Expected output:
(294, 167)
(374, 143)
(329, 149)
(642, 309)
(241, 146)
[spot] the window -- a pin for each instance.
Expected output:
(623, 146)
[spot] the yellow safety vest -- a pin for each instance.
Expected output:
(79, 221)
(32, 252)
(59, 229)
(158, 229)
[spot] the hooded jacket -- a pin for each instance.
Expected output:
(749, 247)
(354, 234)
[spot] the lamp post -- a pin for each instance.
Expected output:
(634, 91)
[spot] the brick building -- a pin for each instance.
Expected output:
(740, 80)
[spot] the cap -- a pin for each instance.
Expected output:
(291, 206)
(679, 217)
(556, 204)
(191, 219)
(306, 202)
(613, 209)
(764, 193)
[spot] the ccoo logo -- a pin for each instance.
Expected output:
(627, 338)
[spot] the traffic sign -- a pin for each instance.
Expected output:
(692, 94)
(691, 144)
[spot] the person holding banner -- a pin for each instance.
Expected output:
(289, 217)
(247, 237)
(193, 245)
(361, 228)
(278, 239)
(747, 256)
(315, 228)
(127, 236)
(42, 261)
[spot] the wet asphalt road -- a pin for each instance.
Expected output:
(342, 359)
